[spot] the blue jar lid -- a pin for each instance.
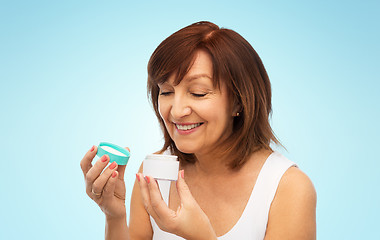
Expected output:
(117, 154)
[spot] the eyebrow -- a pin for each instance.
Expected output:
(196, 76)
(190, 78)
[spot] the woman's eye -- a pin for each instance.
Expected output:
(199, 94)
(165, 93)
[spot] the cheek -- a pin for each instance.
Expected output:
(159, 109)
(163, 110)
(219, 114)
(212, 111)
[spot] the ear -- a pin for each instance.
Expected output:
(236, 109)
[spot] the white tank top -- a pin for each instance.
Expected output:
(252, 223)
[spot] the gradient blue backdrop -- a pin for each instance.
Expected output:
(73, 74)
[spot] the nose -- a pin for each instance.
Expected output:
(180, 107)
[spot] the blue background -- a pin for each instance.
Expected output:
(73, 74)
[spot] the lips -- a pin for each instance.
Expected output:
(187, 126)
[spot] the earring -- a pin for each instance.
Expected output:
(237, 114)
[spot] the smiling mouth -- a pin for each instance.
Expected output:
(187, 126)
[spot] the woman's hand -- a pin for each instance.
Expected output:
(106, 188)
(189, 221)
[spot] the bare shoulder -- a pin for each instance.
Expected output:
(292, 213)
(296, 182)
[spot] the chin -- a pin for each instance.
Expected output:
(185, 149)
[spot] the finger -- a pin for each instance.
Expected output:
(94, 173)
(85, 163)
(183, 190)
(101, 181)
(157, 203)
(144, 190)
(121, 170)
(109, 188)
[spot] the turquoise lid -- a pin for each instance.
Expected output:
(117, 154)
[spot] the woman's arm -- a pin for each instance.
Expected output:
(293, 211)
(116, 229)
(105, 186)
(139, 220)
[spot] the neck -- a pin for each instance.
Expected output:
(212, 165)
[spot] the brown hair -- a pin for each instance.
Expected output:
(235, 63)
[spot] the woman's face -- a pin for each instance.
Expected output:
(196, 114)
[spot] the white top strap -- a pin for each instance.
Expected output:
(253, 222)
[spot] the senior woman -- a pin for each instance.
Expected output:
(212, 97)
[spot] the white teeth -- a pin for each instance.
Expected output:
(187, 127)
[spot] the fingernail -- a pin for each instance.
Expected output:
(104, 158)
(183, 174)
(147, 179)
(92, 149)
(113, 165)
(138, 177)
(114, 174)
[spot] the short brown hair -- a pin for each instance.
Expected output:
(235, 63)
